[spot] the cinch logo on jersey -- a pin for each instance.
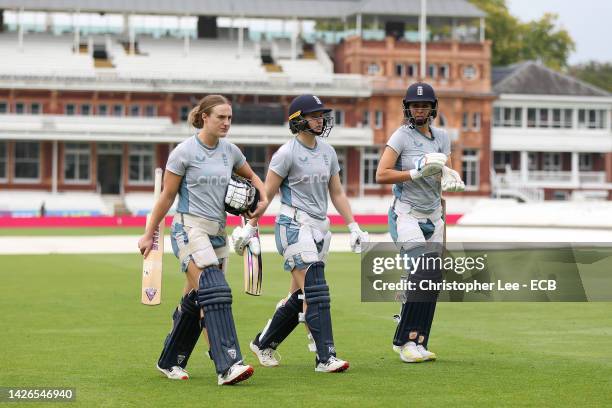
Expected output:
(213, 180)
(314, 178)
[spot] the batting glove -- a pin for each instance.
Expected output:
(451, 181)
(358, 237)
(428, 165)
(243, 236)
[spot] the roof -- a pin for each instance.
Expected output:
(254, 8)
(533, 78)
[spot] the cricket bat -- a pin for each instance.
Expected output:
(252, 269)
(152, 264)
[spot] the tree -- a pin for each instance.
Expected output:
(515, 41)
(598, 74)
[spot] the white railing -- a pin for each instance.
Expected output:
(323, 58)
(506, 185)
(548, 176)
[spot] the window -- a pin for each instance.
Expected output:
(592, 118)
(184, 113)
(4, 107)
(378, 120)
(585, 162)
(476, 121)
(501, 160)
(464, 121)
(444, 71)
(256, 156)
(150, 110)
(400, 70)
(117, 110)
(432, 71)
(441, 120)
(103, 110)
(497, 112)
(76, 162)
(85, 109)
(141, 163)
(568, 120)
(20, 108)
(135, 110)
(3, 160)
(35, 108)
(412, 70)
(373, 69)
(469, 72)
(532, 161)
(556, 118)
(551, 162)
(560, 195)
(366, 118)
(339, 117)
(370, 164)
(470, 168)
(543, 116)
(27, 165)
(531, 117)
(69, 109)
(508, 117)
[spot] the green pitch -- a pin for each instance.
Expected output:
(76, 321)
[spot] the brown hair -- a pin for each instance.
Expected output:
(206, 106)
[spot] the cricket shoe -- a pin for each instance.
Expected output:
(333, 365)
(266, 357)
(409, 352)
(175, 373)
(427, 355)
(235, 374)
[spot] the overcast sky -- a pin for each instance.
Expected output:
(589, 23)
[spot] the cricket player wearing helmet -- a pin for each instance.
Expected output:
(414, 161)
(306, 169)
(200, 170)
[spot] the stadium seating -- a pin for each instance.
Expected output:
(29, 203)
(43, 54)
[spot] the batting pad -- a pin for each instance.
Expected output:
(285, 319)
(215, 298)
(318, 313)
(181, 341)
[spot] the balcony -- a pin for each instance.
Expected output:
(153, 130)
(555, 179)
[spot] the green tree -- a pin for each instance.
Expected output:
(598, 74)
(515, 41)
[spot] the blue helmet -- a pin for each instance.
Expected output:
(303, 105)
(420, 92)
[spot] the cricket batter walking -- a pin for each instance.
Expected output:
(200, 170)
(414, 161)
(306, 169)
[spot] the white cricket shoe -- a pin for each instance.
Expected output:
(175, 373)
(409, 352)
(236, 373)
(266, 356)
(333, 365)
(427, 355)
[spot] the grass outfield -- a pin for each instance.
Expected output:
(76, 321)
(375, 228)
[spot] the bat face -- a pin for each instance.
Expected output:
(152, 270)
(252, 271)
(152, 264)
